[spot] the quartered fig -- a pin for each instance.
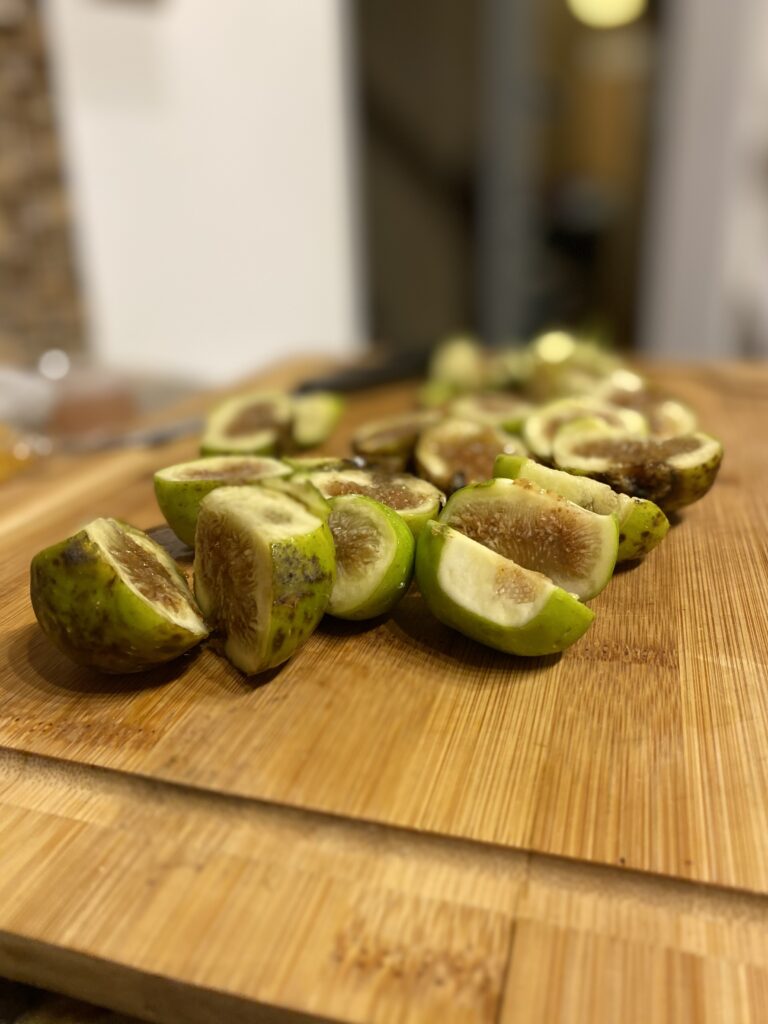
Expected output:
(374, 557)
(642, 524)
(315, 416)
(392, 439)
(253, 424)
(542, 426)
(111, 598)
(456, 452)
(493, 600)
(672, 472)
(179, 489)
(539, 530)
(301, 489)
(415, 501)
(264, 571)
(494, 408)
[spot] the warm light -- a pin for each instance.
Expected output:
(554, 346)
(54, 364)
(626, 380)
(606, 13)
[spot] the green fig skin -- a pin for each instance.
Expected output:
(95, 618)
(298, 573)
(642, 524)
(395, 582)
(315, 417)
(560, 623)
(179, 500)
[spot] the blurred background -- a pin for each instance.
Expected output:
(190, 191)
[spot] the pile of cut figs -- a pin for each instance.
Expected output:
(511, 493)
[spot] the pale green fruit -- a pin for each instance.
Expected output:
(394, 438)
(309, 463)
(673, 472)
(492, 599)
(264, 571)
(315, 417)
(539, 530)
(257, 423)
(542, 426)
(415, 501)
(179, 489)
(642, 525)
(374, 557)
(459, 361)
(301, 489)
(111, 598)
(494, 408)
(456, 452)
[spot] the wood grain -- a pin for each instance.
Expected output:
(378, 831)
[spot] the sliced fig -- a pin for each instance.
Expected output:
(112, 599)
(457, 452)
(542, 426)
(374, 557)
(392, 438)
(459, 362)
(672, 472)
(666, 416)
(415, 501)
(301, 489)
(491, 599)
(179, 489)
(264, 571)
(309, 463)
(539, 530)
(315, 417)
(642, 524)
(494, 408)
(253, 424)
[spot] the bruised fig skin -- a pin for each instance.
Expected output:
(252, 424)
(179, 489)
(264, 572)
(112, 599)
(457, 452)
(374, 557)
(672, 472)
(415, 501)
(539, 530)
(642, 524)
(492, 600)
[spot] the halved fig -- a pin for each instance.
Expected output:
(672, 472)
(457, 452)
(309, 463)
(642, 524)
(264, 571)
(542, 426)
(392, 438)
(179, 489)
(666, 416)
(539, 530)
(374, 557)
(566, 365)
(301, 489)
(415, 501)
(315, 416)
(112, 599)
(494, 408)
(253, 424)
(490, 598)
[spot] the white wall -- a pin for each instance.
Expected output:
(208, 145)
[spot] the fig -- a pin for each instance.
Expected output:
(302, 490)
(374, 557)
(642, 524)
(539, 530)
(415, 501)
(456, 452)
(490, 598)
(494, 408)
(264, 570)
(309, 463)
(672, 472)
(315, 416)
(392, 439)
(458, 362)
(112, 599)
(179, 489)
(541, 427)
(252, 424)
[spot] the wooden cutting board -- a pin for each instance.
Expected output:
(399, 824)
